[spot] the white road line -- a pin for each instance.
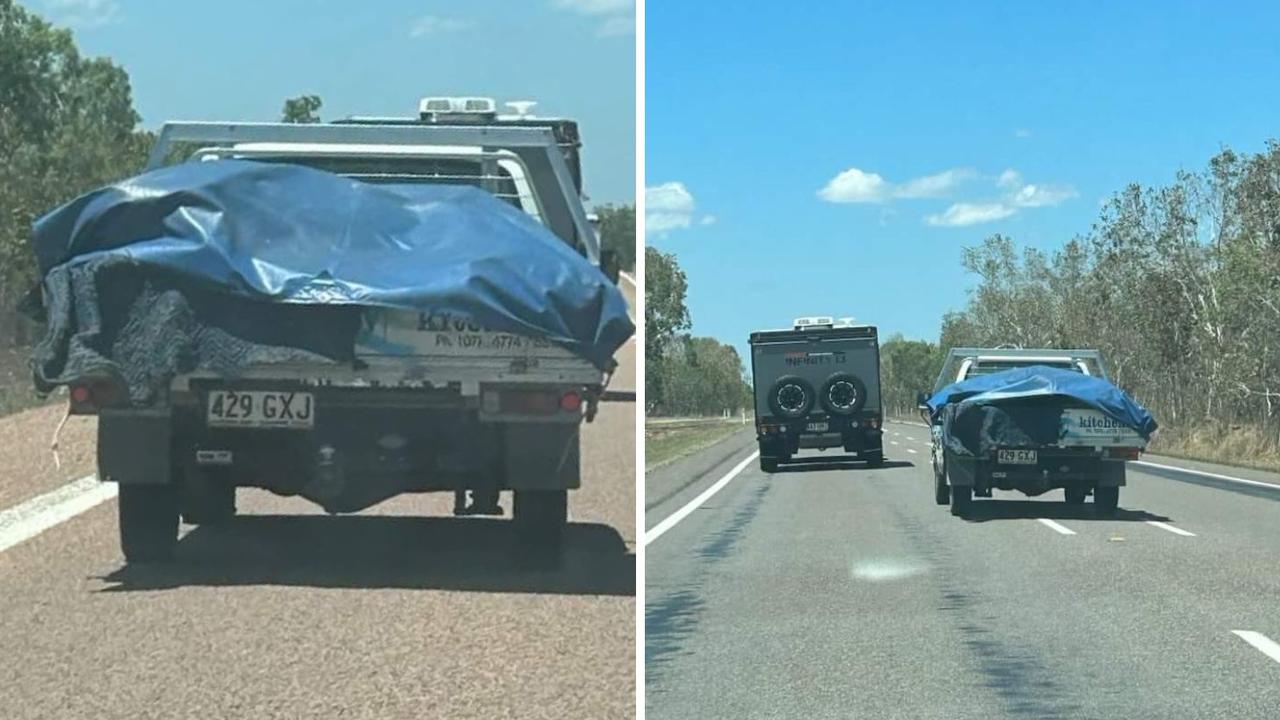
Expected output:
(1170, 528)
(912, 451)
(1266, 645)
(1061, 529)
(695, 503)
(893, 442)
(1216, 476)
(27, 520)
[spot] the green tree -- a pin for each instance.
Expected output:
(67, 125)
(618, 232)
(302, 109)
(665, 316)
(907, 367)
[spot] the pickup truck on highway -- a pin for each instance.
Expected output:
(1031, 421)
(421, 398)
(817, 385)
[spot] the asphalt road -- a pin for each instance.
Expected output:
(399, 612)
(845, 592)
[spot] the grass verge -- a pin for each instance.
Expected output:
(669, 441)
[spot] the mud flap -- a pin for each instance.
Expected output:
(1111, 474)
(542, 456)
(134, 446)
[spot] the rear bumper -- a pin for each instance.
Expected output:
(401, 440)
(1055, 468)
(860, 434)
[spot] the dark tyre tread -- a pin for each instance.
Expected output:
(1106, 500)
(148, 517)
(541, 516)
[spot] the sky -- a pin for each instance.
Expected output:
(833, 158)
(240, 61)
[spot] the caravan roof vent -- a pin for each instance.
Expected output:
(814, 323)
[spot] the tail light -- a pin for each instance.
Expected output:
(1123, 453)
(88, 397)
(532, 402)
(874, 423)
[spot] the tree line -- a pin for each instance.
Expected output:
(1178, 285)
(684, 375)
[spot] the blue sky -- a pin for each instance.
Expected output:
(240, 59)
(833, 158)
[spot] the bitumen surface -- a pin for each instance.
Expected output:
(834, 590)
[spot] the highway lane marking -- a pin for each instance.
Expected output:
(695, 503)
(1216, 476)
(28, 519)
(910, 450)
(893, 442)
(1061, 529)
(1266, 645)
(1170, 528)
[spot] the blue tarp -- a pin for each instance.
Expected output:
(1043, 381)
(291, 234)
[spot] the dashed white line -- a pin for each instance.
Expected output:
(1266, 645)
(893, 442)
(912, 451)
(27, 520)
(695, 503)
(1061, 529)
(1170, 528)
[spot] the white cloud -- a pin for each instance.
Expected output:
(434, 24)
(618, 17)
(962, 214)
(596, 7)
(84, 13)
(670, 206)
(1018, 194)
(931, 186)
(1009, 178)
(855, 186)
(1042, 195)
(859, 186)
(617, 26)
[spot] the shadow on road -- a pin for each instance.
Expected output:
(378, 551)
(983, 510)
(838, 462)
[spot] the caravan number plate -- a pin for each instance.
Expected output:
(1016, 457)
(261, 409)
(816, 427)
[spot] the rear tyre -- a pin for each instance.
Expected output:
(1075, 496)
(961, 499)
(941, 492)
(843, 394)
(540, 517)
(769, 465)
(148, 522)
(1106, 500)
(791, 397)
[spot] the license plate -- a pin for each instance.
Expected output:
(1016, 457)
(261, 409)
(816, 427)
